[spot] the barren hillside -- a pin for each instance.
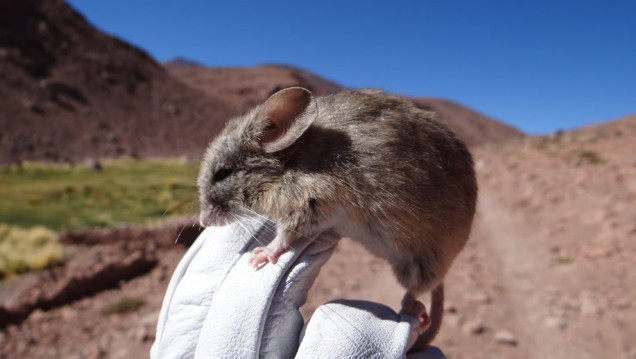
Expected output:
(243, 88)
(70, 92)
(473, 127)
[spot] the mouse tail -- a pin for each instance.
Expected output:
(437, 312)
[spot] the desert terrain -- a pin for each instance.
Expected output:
(547, 273)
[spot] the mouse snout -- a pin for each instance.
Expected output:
(213, 216)
(207, 207)
(208, 212)
(204, 218)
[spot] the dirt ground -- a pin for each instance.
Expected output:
(547, 273)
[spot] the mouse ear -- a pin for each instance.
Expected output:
(285, 116)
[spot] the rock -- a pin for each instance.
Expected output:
(453, 320)
(93, 164)
(450, 308)
(474, 327)
(480, 298)
(150, 319)
(505, 337)
(20, 348)
(69, 314)
(37, 315)
(104, 342)
(142, 334)
(93, 352)
(555, 322)
(624, 303)
(588, 305)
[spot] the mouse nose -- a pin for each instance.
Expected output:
(205, 218)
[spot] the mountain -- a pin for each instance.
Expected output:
(180, 62)
(70, 92)
(473, 127)
(243, 88)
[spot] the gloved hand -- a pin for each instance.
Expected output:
(217, 306)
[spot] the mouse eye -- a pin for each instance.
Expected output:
(221, 174)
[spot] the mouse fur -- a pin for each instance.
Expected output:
(369, 165)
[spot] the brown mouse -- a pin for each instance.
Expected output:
(369, 165)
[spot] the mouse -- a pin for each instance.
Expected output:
(369, 165)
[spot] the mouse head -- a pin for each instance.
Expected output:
(244, 160)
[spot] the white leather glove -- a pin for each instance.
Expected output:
(217, 306)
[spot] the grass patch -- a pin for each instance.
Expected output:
(586, 156)
(124, 305)
(24, 250)
(564, 260)
(65, 197)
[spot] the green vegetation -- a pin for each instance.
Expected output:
(564, 260)
(64, 197)
(23, 250)
(124, 305)
(592, 157)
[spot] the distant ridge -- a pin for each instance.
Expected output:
(181, 62)
(473, 127)
(244, 87)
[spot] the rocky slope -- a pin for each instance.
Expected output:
(70, 92)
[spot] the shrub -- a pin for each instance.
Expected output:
(24, 250)
(589, 157)
(124, 305)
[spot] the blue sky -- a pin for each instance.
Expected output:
(537, 65)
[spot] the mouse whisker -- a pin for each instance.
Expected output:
(179, 235)
(238, 220)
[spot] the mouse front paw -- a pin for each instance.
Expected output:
(261, 256)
